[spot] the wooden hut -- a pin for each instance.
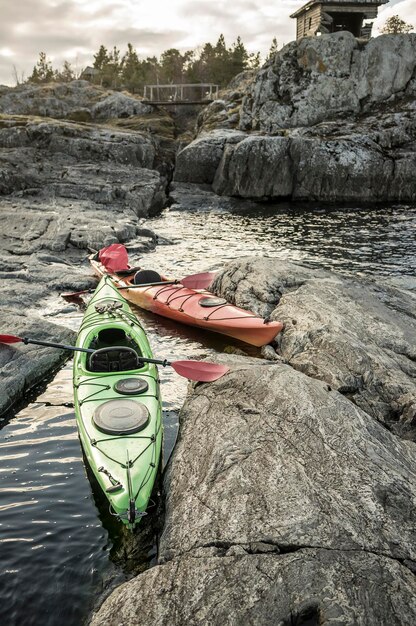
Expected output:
(328, 16)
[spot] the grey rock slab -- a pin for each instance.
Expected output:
(307, 587)
(82, 142)
(357, 336)
(268, 454)
(198, 162)
(78, 98)
(319, 78)
(24, 366)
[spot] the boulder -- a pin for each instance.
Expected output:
(198, 162)
(79, 100)
(327, 119)
(316, 79)
(357, 336)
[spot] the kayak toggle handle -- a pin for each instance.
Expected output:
(115, 484)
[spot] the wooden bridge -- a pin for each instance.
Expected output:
(180, 94)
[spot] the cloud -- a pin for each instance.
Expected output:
(66, 29)
(69, 28)
(405, 9)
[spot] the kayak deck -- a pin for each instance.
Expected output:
(195, 308)
(117, 403)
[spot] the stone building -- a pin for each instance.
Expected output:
(328, 16)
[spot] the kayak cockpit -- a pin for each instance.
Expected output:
(114, 351)
(114, 359)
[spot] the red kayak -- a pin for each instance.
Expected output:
(189, 306)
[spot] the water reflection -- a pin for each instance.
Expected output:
(377, 241)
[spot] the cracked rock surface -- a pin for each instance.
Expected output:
(326, 119)
(66, 188)
(286, 503)
(359, 337)
(308, 587)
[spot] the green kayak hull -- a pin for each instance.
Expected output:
(118, 413)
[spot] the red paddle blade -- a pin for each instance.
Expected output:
(10, 339)
(198, 281)
(199, 370)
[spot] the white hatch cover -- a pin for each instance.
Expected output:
(121, 417)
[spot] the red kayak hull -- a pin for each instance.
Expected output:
(183, 305)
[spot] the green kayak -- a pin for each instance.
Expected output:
(117, 403)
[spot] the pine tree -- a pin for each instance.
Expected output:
(101, 59)
(43, 71)
(273, 48)
(132, 71)
(239, 57)
(66, 74)
(395, 25)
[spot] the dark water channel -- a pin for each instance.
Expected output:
(61, 551)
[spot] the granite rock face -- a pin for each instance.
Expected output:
(285, 502)
(308, 587)
(79, 100)
(65, 188)
(358, 337)
(317, 79)
(326, 119)
(66, 185)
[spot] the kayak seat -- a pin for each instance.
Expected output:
(114, 359)
(127, 272)
(146, 276)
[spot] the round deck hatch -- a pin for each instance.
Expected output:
(212, 301)
(131, 386)
(121, 417)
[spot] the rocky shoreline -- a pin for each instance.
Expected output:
(290, 496)
(327, 119)
(66, 187)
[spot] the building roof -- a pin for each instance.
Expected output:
(310, 4)
(90, 70)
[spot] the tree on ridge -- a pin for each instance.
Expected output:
(395, 26)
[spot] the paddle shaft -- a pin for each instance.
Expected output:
(193, 370)
(49, 344)
(88, 350)
(163, 282)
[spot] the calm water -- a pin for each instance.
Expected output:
(61, 551)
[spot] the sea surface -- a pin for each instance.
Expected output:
(61, 551)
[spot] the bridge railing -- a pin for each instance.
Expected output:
(181, 92)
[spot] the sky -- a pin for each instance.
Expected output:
(73, 30)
